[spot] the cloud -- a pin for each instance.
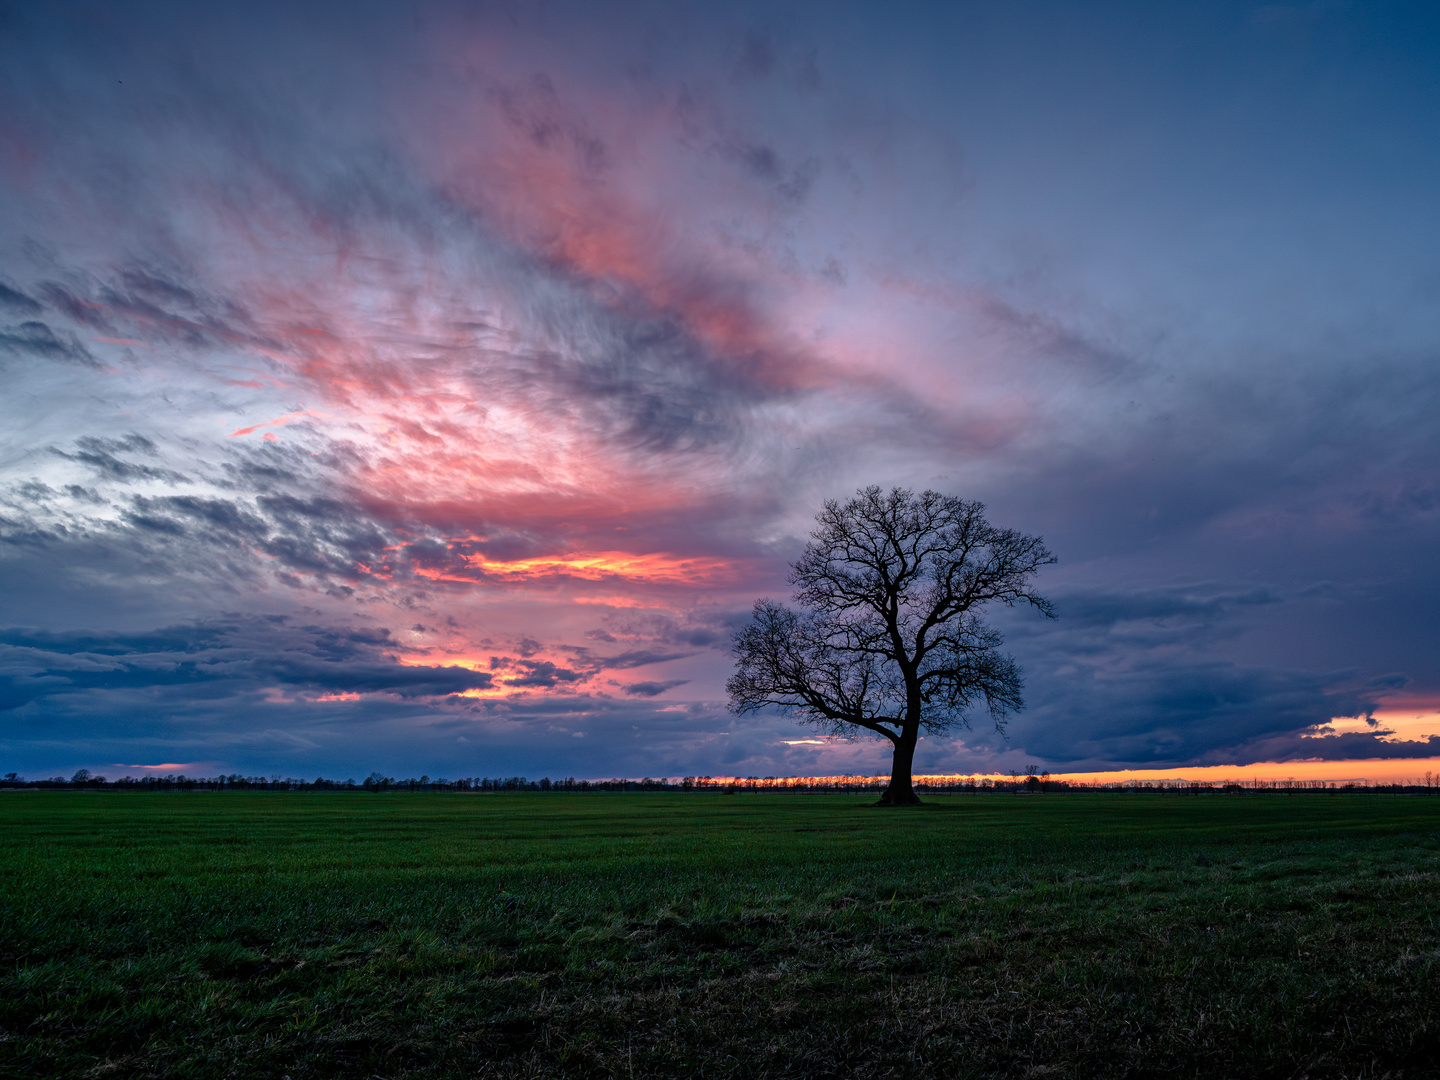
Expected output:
(36, 339)
(1350, 746)
(1145, 677)
(649, 689)
(15, 301)
(580, 667)
(542, 673)
(544, 335)
(100, 455)
(232, 659)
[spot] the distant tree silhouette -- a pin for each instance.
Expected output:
(888, 636)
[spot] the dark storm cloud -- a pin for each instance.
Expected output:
(147, 303)
(221, 518)
(267, 522)
(1145, 677)
(632, 738)
(17, 302)
(319, 535)
(36, 339)
(1196, 712)
(695, 629)
(542, 674)
(582, 666)
(660, 392)
(175, 639)
(229, 659)
(1153, 618)
(634, 659)
(651, 689)
(1349, 746)
(100, 454)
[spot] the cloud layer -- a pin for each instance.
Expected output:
(442, 389)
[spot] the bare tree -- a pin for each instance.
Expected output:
(888, 636)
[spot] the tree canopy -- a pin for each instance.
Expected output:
(887, 635)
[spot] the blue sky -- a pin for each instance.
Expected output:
(433, 387)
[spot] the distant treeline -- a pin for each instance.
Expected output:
(1030, 784)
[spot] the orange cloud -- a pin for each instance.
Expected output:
(587, 181)
(279, 421)
(1390, 724)
(656, 569)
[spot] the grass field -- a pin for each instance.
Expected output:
(1084, 935)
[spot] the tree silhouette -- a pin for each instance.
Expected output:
(888, 636)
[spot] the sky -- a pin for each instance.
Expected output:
(432, 388)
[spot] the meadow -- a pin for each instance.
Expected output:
(710, 935)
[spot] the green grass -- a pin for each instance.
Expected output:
(394, 935)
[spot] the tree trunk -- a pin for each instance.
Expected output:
(901, 792)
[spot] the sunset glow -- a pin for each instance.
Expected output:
(1362, 772)
(439, 393)
(599, 566)
(1388, 725)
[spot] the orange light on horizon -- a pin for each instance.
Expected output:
(1353, 770)
(1367, 771)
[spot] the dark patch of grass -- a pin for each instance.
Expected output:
(667, 935)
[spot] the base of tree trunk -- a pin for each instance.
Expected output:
(899, 798)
